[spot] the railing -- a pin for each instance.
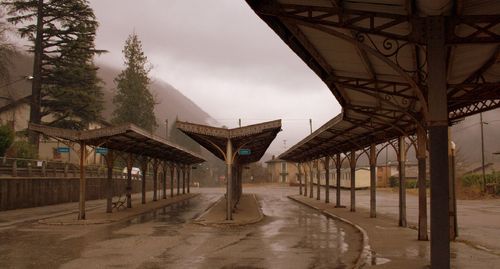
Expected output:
(18, 167)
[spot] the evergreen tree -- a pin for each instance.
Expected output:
(6, 50)
(134, 103)
(65, 83)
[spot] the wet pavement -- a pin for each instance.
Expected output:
(290, 236)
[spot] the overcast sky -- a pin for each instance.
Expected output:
(222, 56)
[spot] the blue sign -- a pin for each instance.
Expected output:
(244, 152)
(102, 151)
(63, 150)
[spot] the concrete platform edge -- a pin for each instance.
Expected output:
(47, 221)
(366, 252)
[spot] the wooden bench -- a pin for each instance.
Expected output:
(120, 203)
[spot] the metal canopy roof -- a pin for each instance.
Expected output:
(256, 137)
(372, 56)
(339, 135)
(126, 138)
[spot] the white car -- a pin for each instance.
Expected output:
(136, 173)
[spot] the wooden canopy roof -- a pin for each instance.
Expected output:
(125, 138)
(256, 137)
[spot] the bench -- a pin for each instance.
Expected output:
(120, 203)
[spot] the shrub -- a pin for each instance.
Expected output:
(393, 182)
(22, 150)
(411, 184)
(470, 180)
(6, 138)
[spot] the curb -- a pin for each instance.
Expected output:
(365, 252)
(226, 223)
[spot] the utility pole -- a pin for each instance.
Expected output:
(239, 122)
(311, 125)
(482, 151)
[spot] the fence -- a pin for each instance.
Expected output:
(29, 183)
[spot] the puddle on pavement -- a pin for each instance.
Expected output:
(290, 234)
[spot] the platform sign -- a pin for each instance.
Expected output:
(63, 150)
(102, 151)
(244, 152)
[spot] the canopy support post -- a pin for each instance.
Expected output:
(337, 178)
(402, 180)
(109, 181)
(144, 164)
(318, 180)
(422, 188)
(83, 183)
(373, 181)
(327, 179)
(353, 180)
(128, 189)
(438, 135)
(299, 177)
(155, 180)
(229, 185)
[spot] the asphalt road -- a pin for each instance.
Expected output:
(290, 236)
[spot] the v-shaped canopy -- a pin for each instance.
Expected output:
(256, 138)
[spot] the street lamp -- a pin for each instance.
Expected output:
(27, 78)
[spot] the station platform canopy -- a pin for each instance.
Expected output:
(124, 138)
(397, 67)
(255, 138)
(373, 54)
(339, 135)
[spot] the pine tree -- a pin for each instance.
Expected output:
(6, 51)
(65, 84)
(134, 102)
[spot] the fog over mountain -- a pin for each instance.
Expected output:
(172, 103)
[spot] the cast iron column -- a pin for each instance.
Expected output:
(188, 178)
(155, 180)
(305, 179)
(144, 164)
(172, 175)
(337, 178)
(402, 180)
(178, 169)
(327, 179)
(130, 162)
(422, 188)
(373, 181)
(311, 180)
(109, 182)
(83, 184)
(353, 180)
(184, 179)
(318, 180)
(229, 164)
(438, 136)
(164, 180)
(299, 176)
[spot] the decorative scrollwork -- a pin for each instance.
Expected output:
(394, 49)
